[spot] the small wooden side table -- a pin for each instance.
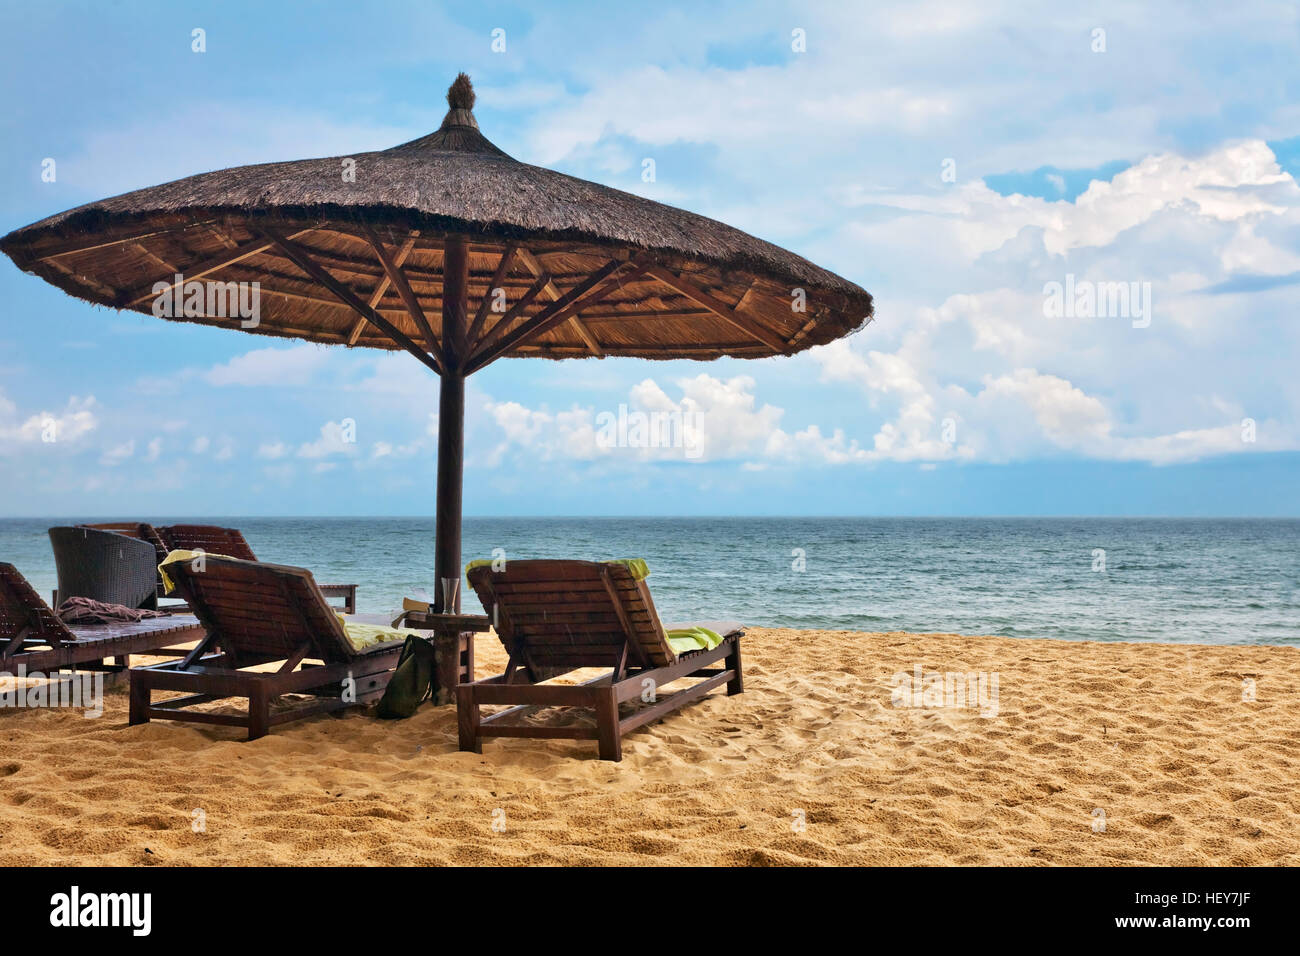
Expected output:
(453, 638)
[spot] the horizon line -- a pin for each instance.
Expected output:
(681, 517)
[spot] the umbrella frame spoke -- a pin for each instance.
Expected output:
(78, 244)
(546, 319)
(381, 290)
(397, 278)
(537, 269)
(525, 300)
(498, 277)
(745, 323)
(213, 264)
(303, 260)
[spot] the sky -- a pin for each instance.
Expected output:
(972, 165)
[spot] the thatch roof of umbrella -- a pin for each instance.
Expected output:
(454, 181)
(394, 255)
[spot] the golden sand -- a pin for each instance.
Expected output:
(1156, 736)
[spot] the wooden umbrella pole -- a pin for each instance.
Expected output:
(451, 417)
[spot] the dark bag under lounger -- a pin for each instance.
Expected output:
(412, 681)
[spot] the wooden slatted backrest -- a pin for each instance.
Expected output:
(209, 538)
(21, 607)
(261, 612)
(568, 614)
(135, 529)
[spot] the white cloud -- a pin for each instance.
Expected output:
(422, 445)
(1074, 421)
(916, 433)
(714, 420)
(731, 422)
(400, 381)
(77, 420)
(118, 454)
(568, 435)
(336, 438)
(1015, 384)
(270, 366)
(1020, 414)
(1229, 184)
(811, 445)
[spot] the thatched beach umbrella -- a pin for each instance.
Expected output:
(449, 249)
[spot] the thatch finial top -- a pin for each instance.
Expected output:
(460, 95)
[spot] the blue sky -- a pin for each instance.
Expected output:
(954, 159)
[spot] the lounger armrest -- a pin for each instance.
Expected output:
(346, 591)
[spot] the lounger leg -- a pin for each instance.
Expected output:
(116, 672)
(737, 684)
(467, 657)
(259, 712)
(611, 743)
(467, 720)
(139, 700)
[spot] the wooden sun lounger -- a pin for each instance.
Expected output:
(32, 636)
(260, 614)
(557, 616)
(231, 543)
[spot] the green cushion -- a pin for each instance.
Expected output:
(361, 636)
(696, 638)
(640, 571)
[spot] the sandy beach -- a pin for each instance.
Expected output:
(814, 764)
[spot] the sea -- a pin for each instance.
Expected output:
(1183, 580)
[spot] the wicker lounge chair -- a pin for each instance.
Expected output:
(260, 614)
(143, 531)
(104, 566)
(230, 542)
(32, 636)
(557, 616)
